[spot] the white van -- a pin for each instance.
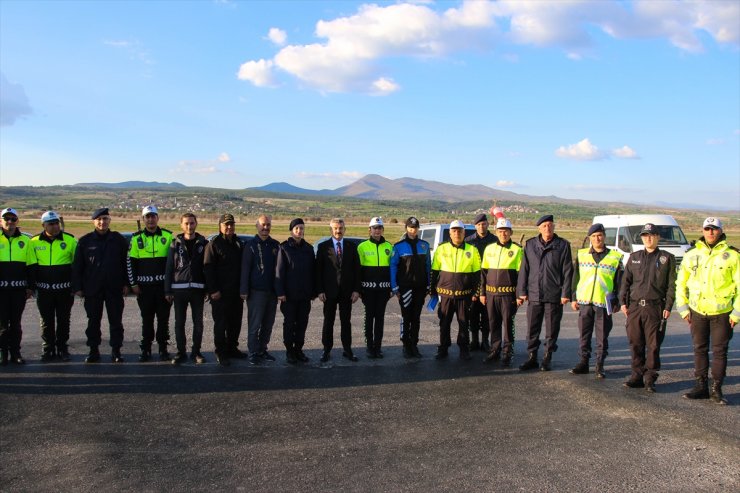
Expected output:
(623, 233)
(436, 233)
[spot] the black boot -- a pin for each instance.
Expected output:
(531, 363)
(700, 390)
(93, 356)
(581, 368)
(546, 361)
(4, 357)
(415, 350)
(164, 355)
(506, 361)
(116, 355)
(716, 394)
(485, 346)
(599, 370)
(63, 353)
(47, 355)
(146, 353)
(441, 353)
(408, 351)
(474, 342)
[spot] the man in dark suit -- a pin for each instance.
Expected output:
(338, 284)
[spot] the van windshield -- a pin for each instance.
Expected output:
(669, 235)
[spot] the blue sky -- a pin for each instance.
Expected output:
(633, 101)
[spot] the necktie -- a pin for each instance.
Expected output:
(339, 253)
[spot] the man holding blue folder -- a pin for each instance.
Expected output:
(596, 277)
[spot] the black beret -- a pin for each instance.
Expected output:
(595, 228)
(545, 218)
(295, 222)
(103, 211)
(412, 222)
(480, 217)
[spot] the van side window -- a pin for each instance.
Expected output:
(610, 236)
(428, 235)
(623, 241)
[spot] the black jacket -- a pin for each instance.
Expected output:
(222, 265)
(650, 277)
(295, 276)
(336, 280)
(100, 263)
(259, 261)
(547, 270)
(184, 269)
(481, 243)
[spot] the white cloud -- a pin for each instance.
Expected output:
(349, 50)
(625, 152)
(342, 175)
(715, 142)
(385, 86)
(505, 184)
(135, 50)
(203, 166)
(224, 158)
(260, 73)
(13, 102)
(277, 36)
(582, 151)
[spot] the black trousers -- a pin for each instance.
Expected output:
(412, 302)
(345, 320)
(295, 321)
(227, 322)
(152, 303)
(449, 308)
(196, 299)
(261, 308)
(55, 309)
(478, 321)
(552, 314)
(643, 325)
(715, 329)
(12, 304)
(501, 312)
(113, 302)
(375, 303)
(594, 319)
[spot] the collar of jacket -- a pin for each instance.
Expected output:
(157, 232)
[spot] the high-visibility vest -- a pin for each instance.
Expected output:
(596, 279)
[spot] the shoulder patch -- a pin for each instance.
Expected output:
(733, 248)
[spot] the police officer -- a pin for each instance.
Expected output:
(411, 277)
(708, 298)
(478, 316)
(545, 283)
(338, 285)
(258, 289)
(184, 284)
(375, 277)
(16, 284)
(147, 260)
(646, 294)
(99, 275)
(222, 267)
(295, 282)
(499, 273)
(54, 251)
(455, 279)
(597, 272)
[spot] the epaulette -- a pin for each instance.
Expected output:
(733, 248)
(517, 244)
(165, 229)
(68, 234)
(138, 233)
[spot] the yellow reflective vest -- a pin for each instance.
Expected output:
(500, 268)
(596, 280)
(16, 256)
(375, 261)
(54, 258)
(147, 256)
(456, 270)
(708, 280)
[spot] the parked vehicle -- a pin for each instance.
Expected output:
(436, 233)
(623, 233)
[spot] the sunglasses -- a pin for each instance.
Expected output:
(10, 219)
(711, 229)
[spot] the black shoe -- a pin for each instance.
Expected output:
(546, 362)
(145, 355)
(370, 353)
(301, 356)
(716, 393)
(255, 360)
(197, 357)
(530, 364)
(465, 354)
(700, 390)
(115, 356)
(634, 382)
(17, 359)
(599, 370)
(379, 353)
(47, 357)
(441, 353)
(581, 368)
(350, 356)
(415, 351)
(93, 356)
(408, 352)
(290, 357)
(164, 355)
(492, 356)
(650, 387)
(179, 358)
(485, 346)
(63, 354)
(237, 354)
(222, 359)
(266, 356)
(474, 346)
(325, 357)
(507, 360)
(4, 358)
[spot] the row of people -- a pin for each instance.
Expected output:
(482, 280)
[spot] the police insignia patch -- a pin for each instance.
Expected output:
(468, 254)
(164, 240)
(387, 252)
(511, 254)
(663, 260)
(21, 244)
(725, 255)
(200, 248)
(62, 245)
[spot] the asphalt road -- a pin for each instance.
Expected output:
(384, 425)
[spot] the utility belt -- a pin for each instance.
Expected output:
(646, 302)
(53, 286)
(500, 289)
(455, 293)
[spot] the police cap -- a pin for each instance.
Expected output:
(103, 211)
(595, 228)
(545, 218)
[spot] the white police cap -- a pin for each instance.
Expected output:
(457, 224)
(503, 223)
(49, 216)
(710, 222)
(376, 221)
(150, 209)
(9, 210)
